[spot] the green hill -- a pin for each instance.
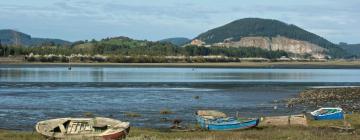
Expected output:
(12, 37)
(353, 49)
(248, 27)
(178, 41)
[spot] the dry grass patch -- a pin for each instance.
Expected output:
(19, 135)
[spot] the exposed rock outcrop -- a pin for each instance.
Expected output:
(278, 43)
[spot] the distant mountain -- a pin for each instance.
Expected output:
(12, 37)
(178, 41)
(268, 28)
(353, 49)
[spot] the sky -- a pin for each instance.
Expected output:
(335, 20)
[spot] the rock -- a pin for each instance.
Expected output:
(279, 43)
(348, 98)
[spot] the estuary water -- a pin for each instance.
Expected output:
(30, 94)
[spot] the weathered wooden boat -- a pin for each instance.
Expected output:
(331, 113)
(217, 121)
(97, 128)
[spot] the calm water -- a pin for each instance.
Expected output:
(30, 94)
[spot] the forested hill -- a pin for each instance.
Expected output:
(124, 46)
(249, 27)
(127, 50)
(353, 49)
(12, 37)
(178, 41)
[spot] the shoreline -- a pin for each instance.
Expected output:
(267, 65)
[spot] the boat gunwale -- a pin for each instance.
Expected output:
(339, 110)
(234, 122)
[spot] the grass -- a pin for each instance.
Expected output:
(18, 135)
(317, 130)
(262, 133)
(353, 119)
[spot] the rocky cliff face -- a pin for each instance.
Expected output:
(279, 43)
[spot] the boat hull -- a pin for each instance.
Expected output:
(324, 114)
(336, 116)
(117, 136)
(225, 126)
(83, 128)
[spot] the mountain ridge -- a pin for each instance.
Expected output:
(13, 37)
(257, 27)
(353, 49)
(178, 41)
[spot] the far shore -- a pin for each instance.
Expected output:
(275, 65)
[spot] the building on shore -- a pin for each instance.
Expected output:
(197, 42)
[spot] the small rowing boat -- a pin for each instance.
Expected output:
(218, 121)
(330, 113)
(83, 128)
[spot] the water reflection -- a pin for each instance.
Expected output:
(98, 74)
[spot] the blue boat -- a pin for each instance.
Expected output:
(330, 113)
(222, 123)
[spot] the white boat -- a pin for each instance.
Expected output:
(328, 113)
(97, 128)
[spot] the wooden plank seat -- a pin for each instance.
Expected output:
(79, 127)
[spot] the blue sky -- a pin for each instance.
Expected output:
(336, 20)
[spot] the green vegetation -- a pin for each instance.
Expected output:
(353, 119)
(268, 28)
(234, 52)
(178, 41)
(317, 130)
(126, 50)
(352, 49)
(19, 135)
(264, 133)
(12, 37)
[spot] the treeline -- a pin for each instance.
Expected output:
(242, 52)
(130, 59)
(122, 49)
